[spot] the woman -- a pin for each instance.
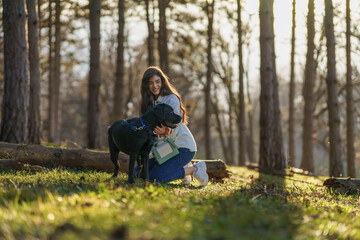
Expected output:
(156, 89)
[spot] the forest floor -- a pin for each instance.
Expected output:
(63, 203)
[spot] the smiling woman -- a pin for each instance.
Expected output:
(155, 89)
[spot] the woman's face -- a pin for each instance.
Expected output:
(155, 85)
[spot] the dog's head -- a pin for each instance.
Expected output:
(166, 115)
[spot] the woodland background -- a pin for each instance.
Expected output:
(92, 55)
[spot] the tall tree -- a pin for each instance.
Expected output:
(54, 74)
(292, 148)
(336, 165)
(278, 147)
(51, 100)
(93, 109)
(241, 111)
(350, 128)
(163, 36)
(14, 122)
(266, 75)
(207, 126)
(151, 36)
(34, 102)
(271, 149)
(307, 162)
(119, 89)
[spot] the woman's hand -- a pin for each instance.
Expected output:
(162, 131)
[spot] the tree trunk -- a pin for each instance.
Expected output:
(271, 147)
(250, 113)
(336, 165)
(207, 125)
(163, 48)
(350, 127)
(266, 93)
(278, 147)
(93, 109)
(51, 118)
(230, 133)
(14, 122)
(151, 37)
(307, 162)
(241, 112)
(220, 130)
(292, 149)
(18, 156)
(54, 121)
(34, 103)
(119, 89)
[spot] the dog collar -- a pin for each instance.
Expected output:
(142, 127)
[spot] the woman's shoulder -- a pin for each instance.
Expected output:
(172, 98)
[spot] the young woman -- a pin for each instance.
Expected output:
(156, 89)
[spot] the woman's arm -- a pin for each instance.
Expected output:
(174, 102)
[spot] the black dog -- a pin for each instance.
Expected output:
(135, 137)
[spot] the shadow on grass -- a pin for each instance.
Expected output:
(257, 210)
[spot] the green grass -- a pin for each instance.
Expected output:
(66, 204)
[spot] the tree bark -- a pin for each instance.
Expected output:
(266, 93)
(292, 146)
(220, 130)
(207, 125)
(241, 112)
(151, 36)
(307, 162)
(18, 156)
(163, 37)
(14, 117)
(93, 108)
(34, 64)
(119, 89)
(54, 85)
(350, 127)
(250, 114)
(51, 118)
(336, 165)
(278, 147)
(271, 147)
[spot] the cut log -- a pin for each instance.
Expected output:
(21, 156)
(343, 185)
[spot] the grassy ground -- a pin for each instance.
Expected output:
(67, 204)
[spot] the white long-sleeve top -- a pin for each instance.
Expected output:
(181, 134)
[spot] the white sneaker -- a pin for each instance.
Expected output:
(200, 173)
(187, 179)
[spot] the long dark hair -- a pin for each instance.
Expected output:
(147, 98)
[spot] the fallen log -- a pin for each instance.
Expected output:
(6, 164)
(343, 185)
(21, 156)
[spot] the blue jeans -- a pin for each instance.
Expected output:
(170, 170)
